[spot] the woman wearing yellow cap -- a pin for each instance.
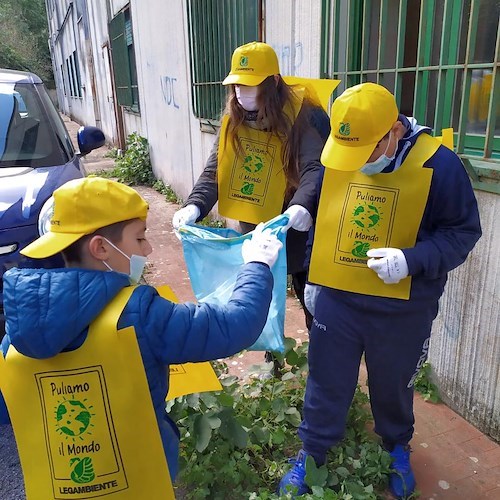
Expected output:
(265, 160)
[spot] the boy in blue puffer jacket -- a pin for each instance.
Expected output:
(99, 225)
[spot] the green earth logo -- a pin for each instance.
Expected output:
(253, 164)
(360, 249)
(83, 470)
(344, 128)
(72, 417)
(244, 61)
(366, 216)
(247, 188)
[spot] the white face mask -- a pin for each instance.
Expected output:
(137, 264)
(247, 97)
(375, 167)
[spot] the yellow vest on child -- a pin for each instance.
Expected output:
(84, 421)
(358, 212)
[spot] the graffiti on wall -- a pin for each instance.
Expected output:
(168, 84)
(290, 58)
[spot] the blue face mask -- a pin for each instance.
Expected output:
(137, 264)
(375, 167)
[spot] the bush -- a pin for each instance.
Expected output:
(167, 191)
(134, 166)
(236, 443)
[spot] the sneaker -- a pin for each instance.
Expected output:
(294, 481)
(402, 480)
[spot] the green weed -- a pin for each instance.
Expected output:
(236, 443)
(425, 386)
(133, 167)
(167, 191)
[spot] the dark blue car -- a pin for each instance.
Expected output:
(36, 157)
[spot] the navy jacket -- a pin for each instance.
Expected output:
(49, 311)
(449, 229)
(312, 139)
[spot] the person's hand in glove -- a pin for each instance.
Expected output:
(262, 247)
(389, 264)
(186, 215)
(311, 293)
(299, 218)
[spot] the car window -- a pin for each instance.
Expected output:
(30, 134)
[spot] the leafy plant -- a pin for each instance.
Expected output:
(211, 222)
(425, 386)
(134, 166)
(113, 153)
(237, 442)
(167, 191)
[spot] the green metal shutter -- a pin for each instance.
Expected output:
(216, 28)
(121, 64)
(441, 58)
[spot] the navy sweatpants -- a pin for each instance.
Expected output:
(393, 335)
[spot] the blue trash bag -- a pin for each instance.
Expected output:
(213, 258)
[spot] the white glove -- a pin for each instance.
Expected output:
(262, 247)
(299, 218)
(311, 293)
(186, 215)
(390, 264)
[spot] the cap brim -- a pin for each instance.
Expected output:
(49, 244)
(250, 80)
(342, 157)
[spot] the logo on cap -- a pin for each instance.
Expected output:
(344, 128)
(244, 61)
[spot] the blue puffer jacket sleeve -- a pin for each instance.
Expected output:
(189, 332)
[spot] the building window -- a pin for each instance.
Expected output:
(73, 73)
(216, 28)
(438, 58)
(63, 79)
(123, 56)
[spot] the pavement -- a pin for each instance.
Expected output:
(451, 459)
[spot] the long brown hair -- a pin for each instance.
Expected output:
(272, 98)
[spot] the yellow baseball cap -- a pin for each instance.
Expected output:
(82, 206)
(359, 118)
(251, 64)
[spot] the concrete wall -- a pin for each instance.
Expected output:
(465, 342)
(165, 91)
(293, 29)
(67, 28)
(99, 48)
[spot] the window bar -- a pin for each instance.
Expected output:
(197, 91)
(450, 39)
(467, 78)
(400, 49)
(421, 91)
(365, 40)
(348, 45)
(202, 59)
(194, 93)
(211, 57)
(494, 102)
(383, 15)
(353, 42)
(326, 36)
(336, 44)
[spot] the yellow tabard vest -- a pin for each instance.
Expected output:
(359, 212)
(188, 378)
(252, 183)
(84, 420)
